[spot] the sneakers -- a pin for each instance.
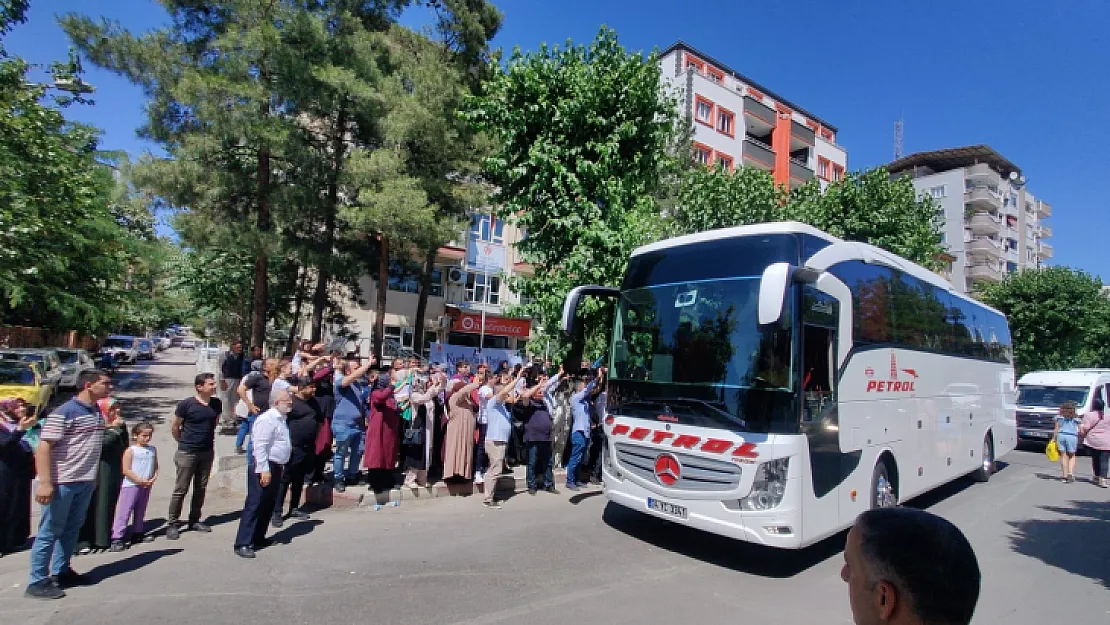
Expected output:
(173, 532)
(117, 546)
(240, 451)
(340, 486)
(479, 478)
(200, 527)
(552, 490)
(70, 578)
(142, 538)
(43, 590)
(277, 521)
(532, 491)
(492, 504)
(572, 486)
(297, 514)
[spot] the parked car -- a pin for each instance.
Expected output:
(74, 363)
(162, 343)
(188, 344)
(50, 365)
(146, 349)
(176, 341)
(124, 349)
(22, 380)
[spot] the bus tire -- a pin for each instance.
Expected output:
(986, 468)
(884, 493)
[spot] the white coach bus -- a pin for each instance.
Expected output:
(771, 382)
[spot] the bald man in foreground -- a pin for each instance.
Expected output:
(271, 449)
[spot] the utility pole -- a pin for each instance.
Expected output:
(898, 129)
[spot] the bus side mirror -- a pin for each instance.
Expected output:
(772, 288)
(569, 321)
(772, 292)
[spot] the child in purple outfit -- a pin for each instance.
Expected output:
(140, 470)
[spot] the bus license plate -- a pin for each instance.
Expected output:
(667, 508)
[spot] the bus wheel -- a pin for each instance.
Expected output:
(883, 494)
(983, 473)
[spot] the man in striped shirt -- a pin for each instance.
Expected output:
(66, 460)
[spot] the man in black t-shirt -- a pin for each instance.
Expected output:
(255, 393)
(194, 429)
(303, 421)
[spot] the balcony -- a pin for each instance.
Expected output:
(759, 118)
(799, 171)
(985, 223)
(985, 246)
(982, 174)
(758, 154)
(984, 272)
(1044, 209)
(1046, 231)
(983, 198)
(801, 136)
(1045, 250)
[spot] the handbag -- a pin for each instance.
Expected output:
(412, 434)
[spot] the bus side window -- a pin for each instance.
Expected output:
(819, 367)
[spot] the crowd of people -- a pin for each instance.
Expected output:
(411, 423)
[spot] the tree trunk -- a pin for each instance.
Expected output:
(261, 276)
(323, 268)
(422, 301)
(383, 286)
(298, 299)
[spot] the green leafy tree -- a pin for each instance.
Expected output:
(1058, 316)
(580, 136)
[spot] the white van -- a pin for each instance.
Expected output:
(1040, 394)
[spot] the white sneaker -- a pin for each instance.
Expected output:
(478, 478)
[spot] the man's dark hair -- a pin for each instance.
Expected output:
(236, 342)
(90, 376)
(459, 364)
(926, 558)
(202, 378)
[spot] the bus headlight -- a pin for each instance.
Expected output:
(769, 486)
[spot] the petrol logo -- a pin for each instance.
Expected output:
(893, 384)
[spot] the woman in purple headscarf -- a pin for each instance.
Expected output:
(17, 469)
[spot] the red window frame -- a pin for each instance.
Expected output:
(828, 135)
(711, 120)
(824, 168)
(838, 173)
(701, 147)
(755, 93)
(694, 61)
(714, 74)
(724, 159)
(731, 132)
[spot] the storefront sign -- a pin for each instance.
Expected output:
(471, 323)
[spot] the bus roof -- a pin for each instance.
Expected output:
(849, 250)
(775, 227)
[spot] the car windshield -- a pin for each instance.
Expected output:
(145, 343)
(68, 357)
(18, 376)
(124, 343)
(1051, 396)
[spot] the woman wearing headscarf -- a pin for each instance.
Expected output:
(458, 443)
(417, 441)
(97, 531)
(17, 469)
(383, 434)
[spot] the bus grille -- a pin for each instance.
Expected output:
(1034, 421)
(697, 473)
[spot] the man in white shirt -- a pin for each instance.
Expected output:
(271, 449)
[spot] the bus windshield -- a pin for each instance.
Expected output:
(695, 351)
(1051, 396)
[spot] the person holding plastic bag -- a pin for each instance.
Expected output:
(17, 469)
(1095, 432)
(1066, 436)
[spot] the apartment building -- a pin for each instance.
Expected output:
(993, 225)
(738, 122)
(469, 278)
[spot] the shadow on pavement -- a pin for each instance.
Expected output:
(296, 529)
(227, 517)
(577, 499)
(129, 564)
(718, 550)
(1076, 544)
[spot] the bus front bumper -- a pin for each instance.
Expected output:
(780, 527)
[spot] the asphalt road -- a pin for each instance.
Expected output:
(1043, 546)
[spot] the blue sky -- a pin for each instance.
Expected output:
(1031, 83)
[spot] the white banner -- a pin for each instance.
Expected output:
(450, 354)
(486, 256)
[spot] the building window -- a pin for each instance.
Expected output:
(725, 161)
(403, 336)
(938, 192)
(726, 122)
(703, 154)
(404, 276)
(486, 227)
(703, 111)
(476, 288)
(827, 135)
(838, 173)
(714, 74)
(822, 168)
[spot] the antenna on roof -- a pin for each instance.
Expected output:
(898, 126)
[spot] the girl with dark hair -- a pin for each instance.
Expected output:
(1095, 432)
(1066, 435)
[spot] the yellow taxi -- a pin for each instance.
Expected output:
(23, 380)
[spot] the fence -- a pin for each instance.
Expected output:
(20, 336)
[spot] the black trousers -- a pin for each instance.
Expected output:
(292, 478)
(259, 506)
(1099, 460)
(597, 444)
